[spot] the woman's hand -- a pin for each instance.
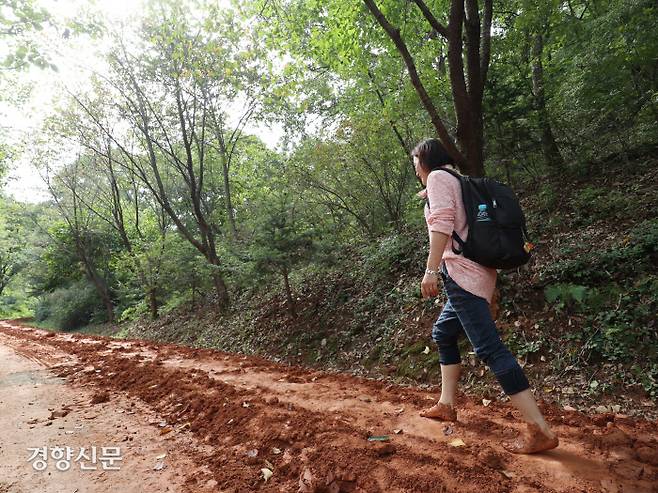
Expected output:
(429, 287)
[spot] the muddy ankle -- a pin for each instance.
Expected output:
(440, 411)
(535, 440)
(544, 429)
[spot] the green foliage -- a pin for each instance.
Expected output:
(57, 264)
(593, 204)
(70, 307)
(613, 96)
(392, 254)
(19, 19)
(598, 81)
(14, 305)
(567, 295)
(618, 299)
(280, 239)
(617, 331)
(184, 275)
(647, 376)
(133, 311)
(522, 346)
(547, 198)
(637, 254)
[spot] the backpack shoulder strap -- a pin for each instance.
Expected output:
(452, 172)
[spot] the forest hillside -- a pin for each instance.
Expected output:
(238, 175)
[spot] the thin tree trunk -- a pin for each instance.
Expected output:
(229, 205)
(153, 303)
(550, 149)
(100, 285)
(5, 276)
(222, 292)
(289, 298)
(429, 106)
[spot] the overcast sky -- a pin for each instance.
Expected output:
(76, 59)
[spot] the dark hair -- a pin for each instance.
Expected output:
(431, 154)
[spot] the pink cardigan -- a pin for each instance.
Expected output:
(447, 213)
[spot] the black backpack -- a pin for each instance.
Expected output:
(497, 235)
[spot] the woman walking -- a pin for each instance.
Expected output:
(469, 288)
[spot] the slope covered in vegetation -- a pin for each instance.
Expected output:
(581, 316)
(239, 176)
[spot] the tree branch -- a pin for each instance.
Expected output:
(436, 25)
(394, 34)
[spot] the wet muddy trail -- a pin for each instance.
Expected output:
(200, 420)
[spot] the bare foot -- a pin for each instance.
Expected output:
(534, 441)
(441, 412)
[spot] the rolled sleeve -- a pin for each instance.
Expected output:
(441, 217)
(442, 221)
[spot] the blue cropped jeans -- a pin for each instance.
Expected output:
(467, 313)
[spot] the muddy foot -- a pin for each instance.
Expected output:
(534, 441)
(441, 412)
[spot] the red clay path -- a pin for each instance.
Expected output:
(199, 420)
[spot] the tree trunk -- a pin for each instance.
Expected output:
(289, 298)
(471, 143)
(5, 273)
(5, 268)
(153, 303)
(228, 203)
(218, 282)
(467, 87)
(101, 289)
(93, 276)
(222, 293)
(551, 151)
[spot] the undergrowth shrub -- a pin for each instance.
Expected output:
(70, 307)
